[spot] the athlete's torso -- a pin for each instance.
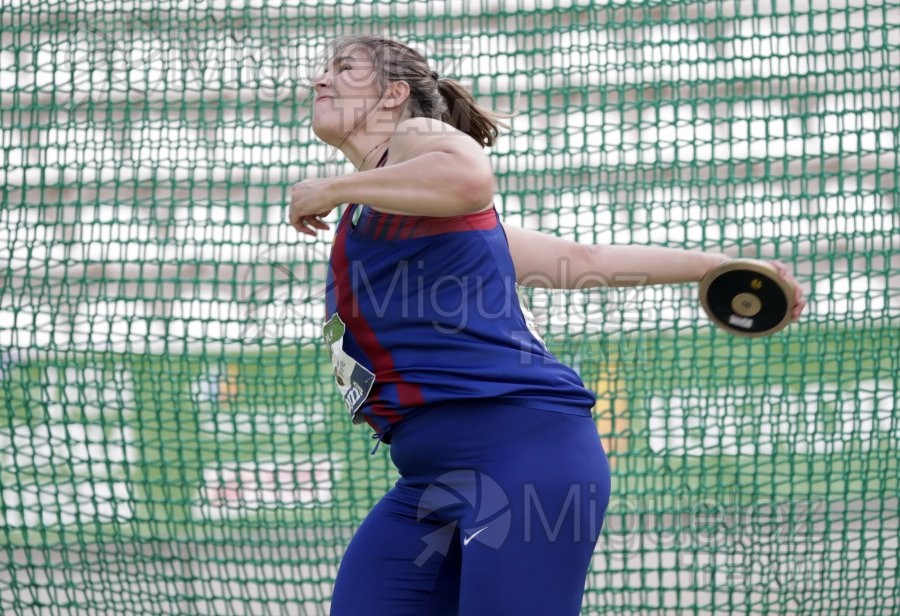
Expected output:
(424, 310)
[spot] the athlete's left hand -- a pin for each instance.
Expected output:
(310, 201)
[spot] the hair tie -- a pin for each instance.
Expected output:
(434, 75)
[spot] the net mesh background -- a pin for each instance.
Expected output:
(171, 440)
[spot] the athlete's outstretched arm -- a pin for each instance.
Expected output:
(543, 260)
(434, 170)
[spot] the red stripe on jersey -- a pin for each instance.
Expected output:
(402, 227)
(406, 231)
(378, 227)
(435, 225)
(393, 228)
(408, 394)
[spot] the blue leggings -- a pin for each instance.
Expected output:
(497, 512)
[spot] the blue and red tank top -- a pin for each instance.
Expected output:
(425, 310)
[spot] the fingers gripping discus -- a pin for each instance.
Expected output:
(747, 297)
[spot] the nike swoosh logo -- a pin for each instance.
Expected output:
(473, 535)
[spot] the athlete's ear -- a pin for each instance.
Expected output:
(396, 95)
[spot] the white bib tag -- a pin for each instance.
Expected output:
(353, 380)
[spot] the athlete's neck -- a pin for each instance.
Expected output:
(373, 156)
(365, 151)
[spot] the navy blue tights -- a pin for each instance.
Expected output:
(497, 511)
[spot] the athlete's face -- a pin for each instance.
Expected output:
(347, 92)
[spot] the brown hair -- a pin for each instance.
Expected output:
(430, 96)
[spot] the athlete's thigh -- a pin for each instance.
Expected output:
(534, 576)
(396, 565)
(535, 561)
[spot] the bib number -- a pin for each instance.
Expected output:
(353, 380)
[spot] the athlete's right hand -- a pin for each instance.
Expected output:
(310, 201)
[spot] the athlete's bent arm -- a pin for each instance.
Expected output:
(435, 170)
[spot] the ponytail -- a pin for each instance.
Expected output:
(464, 114)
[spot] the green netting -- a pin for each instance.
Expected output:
(171, 441)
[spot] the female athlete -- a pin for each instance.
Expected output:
(503, 481)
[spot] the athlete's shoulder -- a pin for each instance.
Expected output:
(417, 136)
(428, 127)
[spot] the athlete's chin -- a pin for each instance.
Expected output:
(326, 132)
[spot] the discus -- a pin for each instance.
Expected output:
(747, 297)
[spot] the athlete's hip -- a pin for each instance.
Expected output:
(497, 438)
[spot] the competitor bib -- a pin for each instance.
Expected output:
(353, 380)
